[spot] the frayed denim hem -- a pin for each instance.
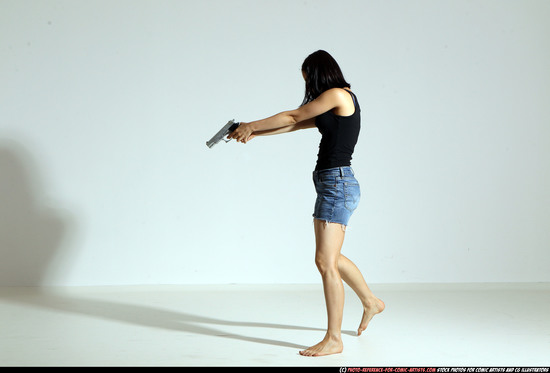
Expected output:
(344, 226)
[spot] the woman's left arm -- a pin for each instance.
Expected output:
(328, 100)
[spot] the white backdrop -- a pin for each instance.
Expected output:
(105, 107)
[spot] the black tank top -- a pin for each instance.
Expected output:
(339, 136)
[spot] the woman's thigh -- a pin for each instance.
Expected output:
(329, 238)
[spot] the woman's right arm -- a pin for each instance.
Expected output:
(328, 100)
(308, 123)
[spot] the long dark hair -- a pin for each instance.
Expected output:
(322, 73)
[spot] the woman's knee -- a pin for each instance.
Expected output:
(326, 265)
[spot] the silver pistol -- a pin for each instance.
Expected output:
(226, 130)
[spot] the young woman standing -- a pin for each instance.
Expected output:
(332, 107)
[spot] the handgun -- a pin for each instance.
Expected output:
(226, 130)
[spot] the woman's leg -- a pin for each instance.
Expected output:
(352, 276)
(328, 241)
(334, 267)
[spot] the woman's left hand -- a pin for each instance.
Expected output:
(243, 133)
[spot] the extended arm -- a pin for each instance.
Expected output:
(328, 100)
(309, 123)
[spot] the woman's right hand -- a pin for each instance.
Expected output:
(243, 133)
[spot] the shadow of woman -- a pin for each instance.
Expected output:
(31, 234)
(141, 315)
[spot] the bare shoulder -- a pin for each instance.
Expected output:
(343, 102)
(335, 99)
(337, 92)
(340, 96)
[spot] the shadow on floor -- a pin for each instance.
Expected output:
(148, 316)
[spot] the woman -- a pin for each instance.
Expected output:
(332, 107)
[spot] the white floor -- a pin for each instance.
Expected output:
(266, 325)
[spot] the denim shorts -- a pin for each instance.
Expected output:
(338, 194)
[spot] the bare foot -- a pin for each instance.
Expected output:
(369, 312)
(329, 345)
